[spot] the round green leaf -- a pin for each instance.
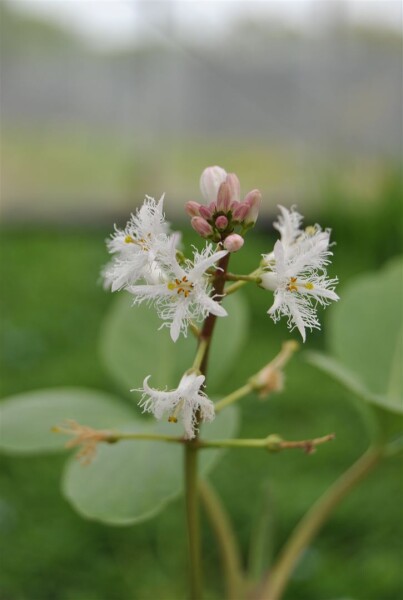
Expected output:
(133, 346)
(27, 419)
(365, 338)
(131, 481)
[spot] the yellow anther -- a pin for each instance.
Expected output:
(310, 230)
(172, 419)
(292, 285)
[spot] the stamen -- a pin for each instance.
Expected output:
(174, 417)
(292, 285)
(182, 286)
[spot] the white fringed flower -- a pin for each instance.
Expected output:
(186, 402)
(184, 294)
(137, 247)
(296, 272)
(288, 225)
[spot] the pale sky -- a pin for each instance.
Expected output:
(116, 23)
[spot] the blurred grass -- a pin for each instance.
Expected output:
(51, 172)
(52, 308)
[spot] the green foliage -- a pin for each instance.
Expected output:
(131, 481)
(365, 340)
(87, 560)
(27, 419)
(132, 346)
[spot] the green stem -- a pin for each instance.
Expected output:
(238, 284)
(200, 354)
(234, 443)
(233, 397)
(193, 525)
(272, 443)
(155, 437)
(277, 579)
(230, 554)
(247, 278)
(191, 447)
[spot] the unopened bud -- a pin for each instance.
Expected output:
(192, 208)
(240, 212)
(234, 187)
(224, 197)
(271, 378)
(253, 199)
(233, 242)
(201, 226)
(210, 182)
(221, 222)
(205, 212)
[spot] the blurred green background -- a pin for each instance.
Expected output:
(308, 112)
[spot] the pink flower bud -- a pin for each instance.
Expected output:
(192, 208)
(221, 222)
(205, 212)
(201, 226)
(233, 242)
(224, 197)
(234, 186)
(210, 181)
(253, 200)
(240, 211)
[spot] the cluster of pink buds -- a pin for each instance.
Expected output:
(224, 212)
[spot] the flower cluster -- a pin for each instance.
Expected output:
(296, 272)
(146, 264)
(224, 211)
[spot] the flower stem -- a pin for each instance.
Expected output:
(272, 443)
(193, 525)
(192, 446)
(201, 351)
(230, 553)
(233, 397)
(254, 276)
(246, 278)
(210, 321)
(154, 437)
(277, 579)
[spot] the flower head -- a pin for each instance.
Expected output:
(225, 211)
(183, 296)
(296, 272)
(137, 248)
(185, 402)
